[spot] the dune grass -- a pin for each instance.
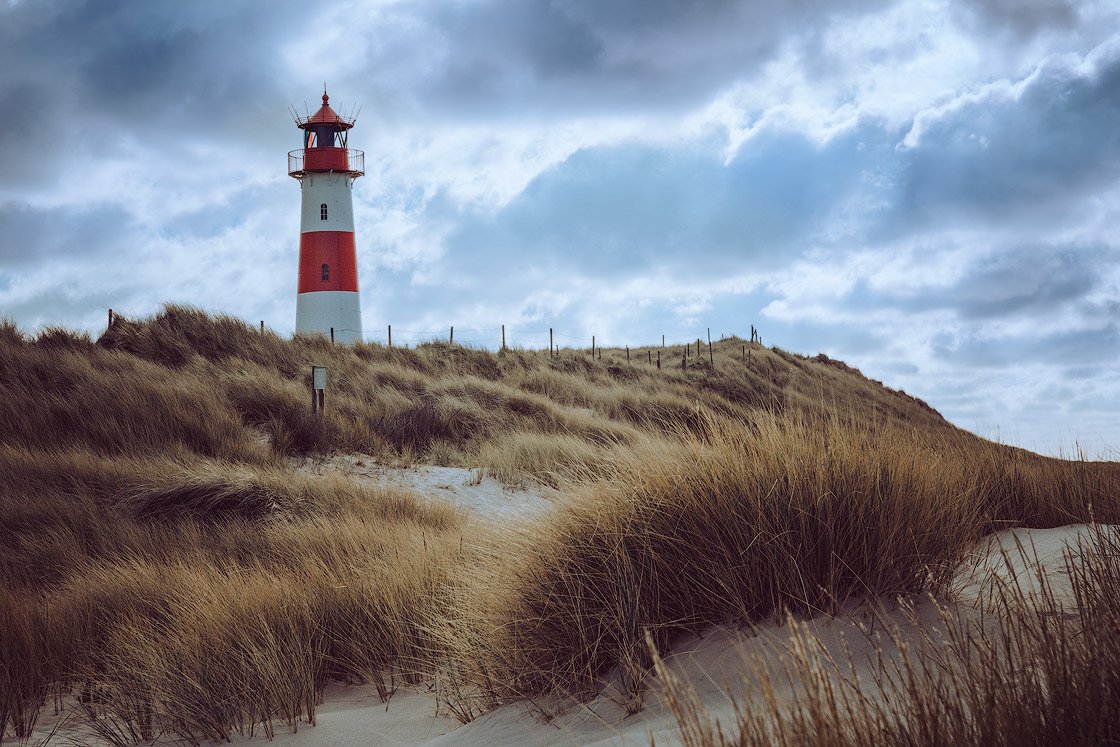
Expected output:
(205, 599)
(784, 516)
(1042, 669)
(166, 565)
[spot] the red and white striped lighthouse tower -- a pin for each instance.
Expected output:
(327, 302)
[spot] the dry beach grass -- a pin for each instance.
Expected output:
(164, 564)
(1042, 667)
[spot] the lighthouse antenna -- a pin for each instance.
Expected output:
(354, 118)
(294, 113)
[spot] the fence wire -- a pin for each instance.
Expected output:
(490, 338)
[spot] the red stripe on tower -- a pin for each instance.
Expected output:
(327, 262)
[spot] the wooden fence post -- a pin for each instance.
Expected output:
(592, 347)
(110, 318)
(451, 339)
(711, 355)
(627, 353)
(390, 335)
(262, 326)
(332, 335)
(550, 343)
(658, 360)
(503, 337)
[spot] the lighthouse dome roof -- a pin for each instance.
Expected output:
(326, 116)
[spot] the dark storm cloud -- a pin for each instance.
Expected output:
(138, 60)
(26, 138)
(1079, 347)
(1028, 282)
(572, 56)
(616, 210)
(1030, 158)
(34, 237)
(1022, 281)
(1022, 17)
(234, 209)
(91, 77)
(1078, 373)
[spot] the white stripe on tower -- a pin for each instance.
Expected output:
(334, 190)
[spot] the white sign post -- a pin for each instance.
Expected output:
(318, 388)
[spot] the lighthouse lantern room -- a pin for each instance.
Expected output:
(327, 301)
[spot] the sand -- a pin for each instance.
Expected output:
(354, 715)
(471, 489)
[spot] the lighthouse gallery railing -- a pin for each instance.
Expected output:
(326, 159)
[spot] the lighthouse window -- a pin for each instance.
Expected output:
(323, 211)
(326, 272)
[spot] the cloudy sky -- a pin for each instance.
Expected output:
(926, 189)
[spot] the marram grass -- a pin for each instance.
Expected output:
(163, 563)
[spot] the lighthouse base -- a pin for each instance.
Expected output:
(321, 311)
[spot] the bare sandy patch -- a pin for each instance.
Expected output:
(471, 489)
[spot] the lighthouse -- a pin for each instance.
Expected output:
(327, 302)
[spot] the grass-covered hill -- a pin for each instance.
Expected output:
(165, 562)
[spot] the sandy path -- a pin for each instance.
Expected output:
(468, 488)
